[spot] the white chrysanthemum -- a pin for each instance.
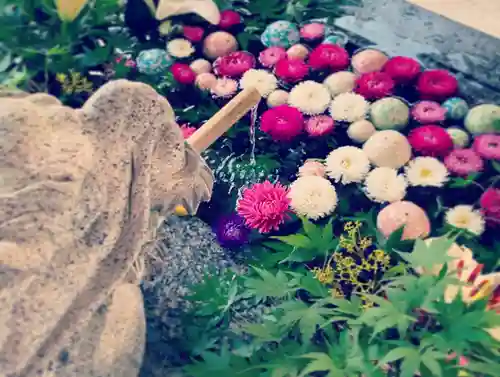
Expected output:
(465, 217)
(180, 48)
(310, 97)
(276, 98)
(385, 185)
(426, 171)
(259, 79)
(313, 197)
(340, 82)
(347, 165)
(349, 107)
(361, 130)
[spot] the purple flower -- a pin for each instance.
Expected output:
(231, 231)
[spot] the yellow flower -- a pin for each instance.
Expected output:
(365, 243)
(68, 10)
(75, 83)
(180, 211)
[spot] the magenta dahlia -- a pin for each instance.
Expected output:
(264, 206)
(437, 84)
(282, 123)
(291, 70)
(193, 33)
(374, 85)
(490, 206)
(234, 64)
(183, 73)
(402, 69)
(229, 18)
(272, 55)
(431, 140)
(487, 146)
(329, 56)
(463, 162)
(319, 125)
(426, 112)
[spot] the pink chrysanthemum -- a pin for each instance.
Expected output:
(291, 70)
(402, 69)
(234, 64)
(490, 206)
(272, 55)
(463, 162)
(282, 123)
(375, 85)
(312, 31)
(437, 84)
(187, 131)
(431, 140)
(328, 56)
(428, 112)
(319, 125)
(264, 206)
(487, 146)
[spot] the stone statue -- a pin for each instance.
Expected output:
(80, 194)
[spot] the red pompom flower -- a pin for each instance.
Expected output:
(183, 73)
(487, 146)
(234, 64)
(437, 84)
(329, 56)
(291, 70)
(228, 19)
(490, 205)
(375, 85)
(431, 140)
(193, 33)
(282, 123)
(402, 69)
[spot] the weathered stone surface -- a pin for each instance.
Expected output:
(76, 196)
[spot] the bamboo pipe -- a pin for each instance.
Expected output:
(224, 119)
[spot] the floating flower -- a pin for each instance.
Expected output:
(180, 48)
(412, 217)
(282, 123)
(205, 81)
(313, 197)
(347, 165)
(369, 60)
(426, 171)
(319, 125)
(465, 217)
(349, 107)
(464, 162)
(385, 185)
(153, 61)
(234, 64)
(487, 146)
(312, 167)
(481, 119)
(187, 131)
(490, 206)
(193, 33)
(402, 69)
(390, 113)
(260, 79)
(272, 55)
(430, 140)
(426, 112)
(297, 51)
(309, 97)
(264, 206)
(291, 70)
(218, 44)
(437, 84)
(340, 82)
(276, 98)
(231, 231)
(328, 56)
(361, 130)
(201, 66)
(224, 88)
(229, 18)
(456, 108)
(280, 33)
(388, 148)
(460, 137)
(182, 73)
(312, 31)
(374, 85)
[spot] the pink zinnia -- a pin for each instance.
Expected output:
(402, 69)
(183, 73)
(312, 31)
(264, 206)
(463, 162)
(187, 131)
(272, 55)
(375, 85)
(490, 205)
(319, 125)
(487, 146)
(291, 70)
(428, 112)
(234, 64)
(431, 140)
(282, 123)
(437, 84)
(328, 56)
(193, 33)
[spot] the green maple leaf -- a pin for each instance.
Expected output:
(268, 285)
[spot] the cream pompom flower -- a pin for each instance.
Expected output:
(260, 79)
(313, 197)
(349, 107)
(465, 217)
(426, 171)
(347, 165)
(310, 97)
(385, 185)
(180, 48)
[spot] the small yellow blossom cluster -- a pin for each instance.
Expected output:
(74, 83)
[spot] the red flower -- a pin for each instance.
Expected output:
(402, 69)
(183, 73)
(319, 125)
(487, 146)
(490, 204)
(329, 56)
(193, 33)
(437, 84)
(431, 140)
(228, 19)
(187, 131)
(264, 206)
(291, 70)
(234, 64)
(282, 123)
(375, 85)
(463, 162)
(272, 55)
(428, 112)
